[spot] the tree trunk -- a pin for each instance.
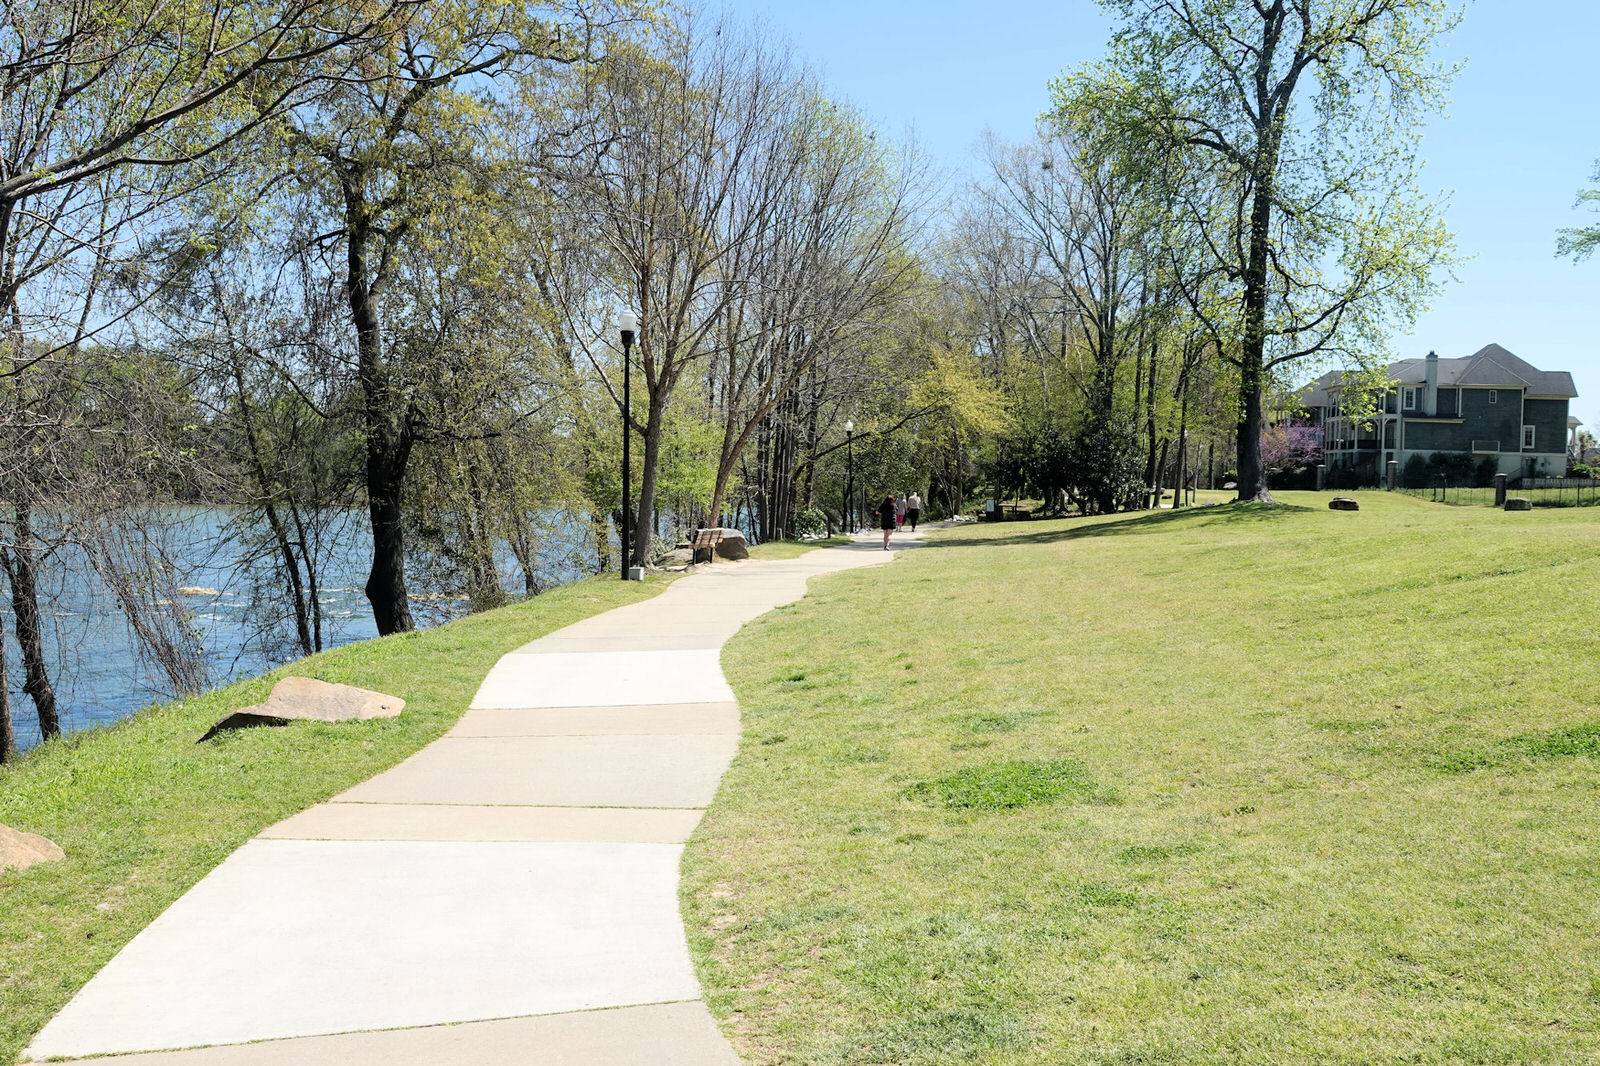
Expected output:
(647, 481)
(485, 589)
(291, 571)
(388, 440)
(600, 529)
(18, 561)
(1161, 469)
(1252, 475)
(280, 533)
(8, 732)
(1252, 364)
(313, 597)
(1179, 479)
(1152, 488)
(386, 582)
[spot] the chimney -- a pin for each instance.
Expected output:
(1430, 386)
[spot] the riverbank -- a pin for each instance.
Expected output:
(1228, 785)
(144, 812)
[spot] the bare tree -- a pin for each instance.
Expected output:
(830, 258)
(665, 178)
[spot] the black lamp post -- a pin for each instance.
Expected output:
(849, 475)
(627, 323)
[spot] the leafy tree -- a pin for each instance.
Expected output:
(1289, 447)
(1285, 130)
(114, 113)
(395, 158)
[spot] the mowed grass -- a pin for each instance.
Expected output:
(144, 812)
(1227, 785)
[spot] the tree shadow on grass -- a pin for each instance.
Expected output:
(1228, 514)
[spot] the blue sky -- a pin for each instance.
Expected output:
(1520, 138)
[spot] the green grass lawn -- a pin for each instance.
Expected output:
(1225, 785)
(144, 812)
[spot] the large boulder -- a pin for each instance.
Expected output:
(19, 850)
(1518, 503)
(1343, 503)
(732, 545)
(307, 699)
(677, 558)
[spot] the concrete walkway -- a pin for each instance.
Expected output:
(509, 894)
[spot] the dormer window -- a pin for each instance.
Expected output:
(1408, 399)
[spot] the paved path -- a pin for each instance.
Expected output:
(508, 894)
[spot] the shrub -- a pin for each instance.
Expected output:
(1352, 477)
(1414, 475)
(812, 523)
(1454, 467)
(1303, 477)
(1488, 467)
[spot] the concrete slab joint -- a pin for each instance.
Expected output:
(509, 893)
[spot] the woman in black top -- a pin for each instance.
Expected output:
(886, 518)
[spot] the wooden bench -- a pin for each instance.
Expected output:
(705, 540)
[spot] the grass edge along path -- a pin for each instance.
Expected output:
(144, 812)
(1232, 785)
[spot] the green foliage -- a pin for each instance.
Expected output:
(1286, 134)
(955, 388)
(1414, 474)
(812, 523)
(1455, 469)
(1580, 242)
(1097, 466)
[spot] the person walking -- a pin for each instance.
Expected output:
(913, 509)
(886, 518)
(900, 511)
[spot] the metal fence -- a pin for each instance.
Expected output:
(1543, 492)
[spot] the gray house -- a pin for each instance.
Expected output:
(1489, 405)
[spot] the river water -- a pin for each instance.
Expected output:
(96, 666)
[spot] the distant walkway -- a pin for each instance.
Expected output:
(509, 894)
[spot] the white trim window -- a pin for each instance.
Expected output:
(1408, 400)
(1527, 438)
(1494, 396)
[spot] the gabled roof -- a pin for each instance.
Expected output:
(1491, 366)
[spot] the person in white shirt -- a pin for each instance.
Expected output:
(913, 510)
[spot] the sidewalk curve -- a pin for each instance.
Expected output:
(508, 894)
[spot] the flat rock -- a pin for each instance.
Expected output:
(1518, 503)
(307, 699)
(1343, 503)
(679, 556)
(19, 850)
(732, 545)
